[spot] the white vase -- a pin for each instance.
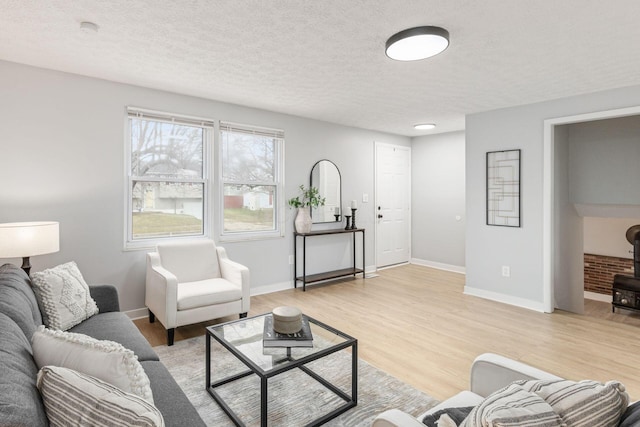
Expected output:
(303, 220)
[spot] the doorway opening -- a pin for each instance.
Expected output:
(574, 209)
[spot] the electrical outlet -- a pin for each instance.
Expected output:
(365, 198)
(290, 259)
(506, 271)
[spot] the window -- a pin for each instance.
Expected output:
(251, 181)
(167, 188)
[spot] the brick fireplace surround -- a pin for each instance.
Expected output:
(600, 269)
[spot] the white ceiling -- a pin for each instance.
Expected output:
(324, 59)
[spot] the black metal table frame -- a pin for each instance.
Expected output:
(329, 274)
(350, 401)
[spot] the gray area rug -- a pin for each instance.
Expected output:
(295, 399)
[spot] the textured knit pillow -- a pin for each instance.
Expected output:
(588, 403)
(105, 360)
(73, 399)
(63, 296)
(513, 406)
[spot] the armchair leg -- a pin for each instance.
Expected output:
(170, 336)
(243, 315)
(152, 317)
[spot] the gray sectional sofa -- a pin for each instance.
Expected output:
(20, 402)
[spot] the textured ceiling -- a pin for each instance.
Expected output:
(324, 59)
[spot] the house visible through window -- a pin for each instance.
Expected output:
(251, 180)
(168, 181)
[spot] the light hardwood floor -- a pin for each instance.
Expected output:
(416, 324)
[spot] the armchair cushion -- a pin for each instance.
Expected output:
(207, 292)
(190, 261)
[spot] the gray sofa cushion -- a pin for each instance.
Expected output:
(176, 409)
(20, 403)
(116, 326)
(17, 299)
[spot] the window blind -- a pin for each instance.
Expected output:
(168, 117)
(251, 130)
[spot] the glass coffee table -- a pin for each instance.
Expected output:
(243, 339)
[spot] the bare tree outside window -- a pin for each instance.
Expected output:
(250, 178)
(167, 178)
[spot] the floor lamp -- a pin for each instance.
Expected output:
(27, 239)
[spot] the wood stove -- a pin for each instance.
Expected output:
(626, 289)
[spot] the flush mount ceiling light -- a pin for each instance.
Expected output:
(417, 43)
(89, 27)
(424, 126)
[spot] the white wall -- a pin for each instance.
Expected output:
(607, 236)
(604, 158)
(488, 248)
(438, 200)
(568, 226)
(603, 169)
(62, 145)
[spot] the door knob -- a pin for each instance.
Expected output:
(379, 215)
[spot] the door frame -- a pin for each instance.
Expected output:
(548, 207)
(377, 144)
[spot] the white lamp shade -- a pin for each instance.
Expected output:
(26, 239)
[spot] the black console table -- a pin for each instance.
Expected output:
(312, 278)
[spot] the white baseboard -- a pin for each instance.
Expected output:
(439, 265)
(268, 289)
(598, 297)
(507, 299)
(139, 313)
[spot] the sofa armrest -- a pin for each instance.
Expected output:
(161, 291)
(106, 297)
(237, 274)
(395, 418)
(491, 372)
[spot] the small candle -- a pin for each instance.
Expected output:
(337, 211)
(354, 204)
(347, 211)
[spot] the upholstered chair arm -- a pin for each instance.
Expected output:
(237, 274)
(106, 297)
(395, 418)
(491, 372)
(161, 296)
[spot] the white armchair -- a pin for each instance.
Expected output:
(194, 281)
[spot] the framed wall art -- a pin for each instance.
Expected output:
(503, 188)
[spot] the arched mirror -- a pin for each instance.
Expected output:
(325, 176)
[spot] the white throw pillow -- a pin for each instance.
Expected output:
(63, 296)
(74, 399)
(513, 406)
(584, 402)
(106, 360)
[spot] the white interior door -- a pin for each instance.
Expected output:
(393, 204)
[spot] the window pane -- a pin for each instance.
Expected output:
(164, 209)
(249, 208)
(166, 150)
(248, 158)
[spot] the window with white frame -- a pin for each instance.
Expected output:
(168, 185)
(251, 181)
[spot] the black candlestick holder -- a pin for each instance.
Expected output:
(348, 217)
(337, 217)
(353, 219)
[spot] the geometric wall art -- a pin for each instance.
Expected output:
(503, 188)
